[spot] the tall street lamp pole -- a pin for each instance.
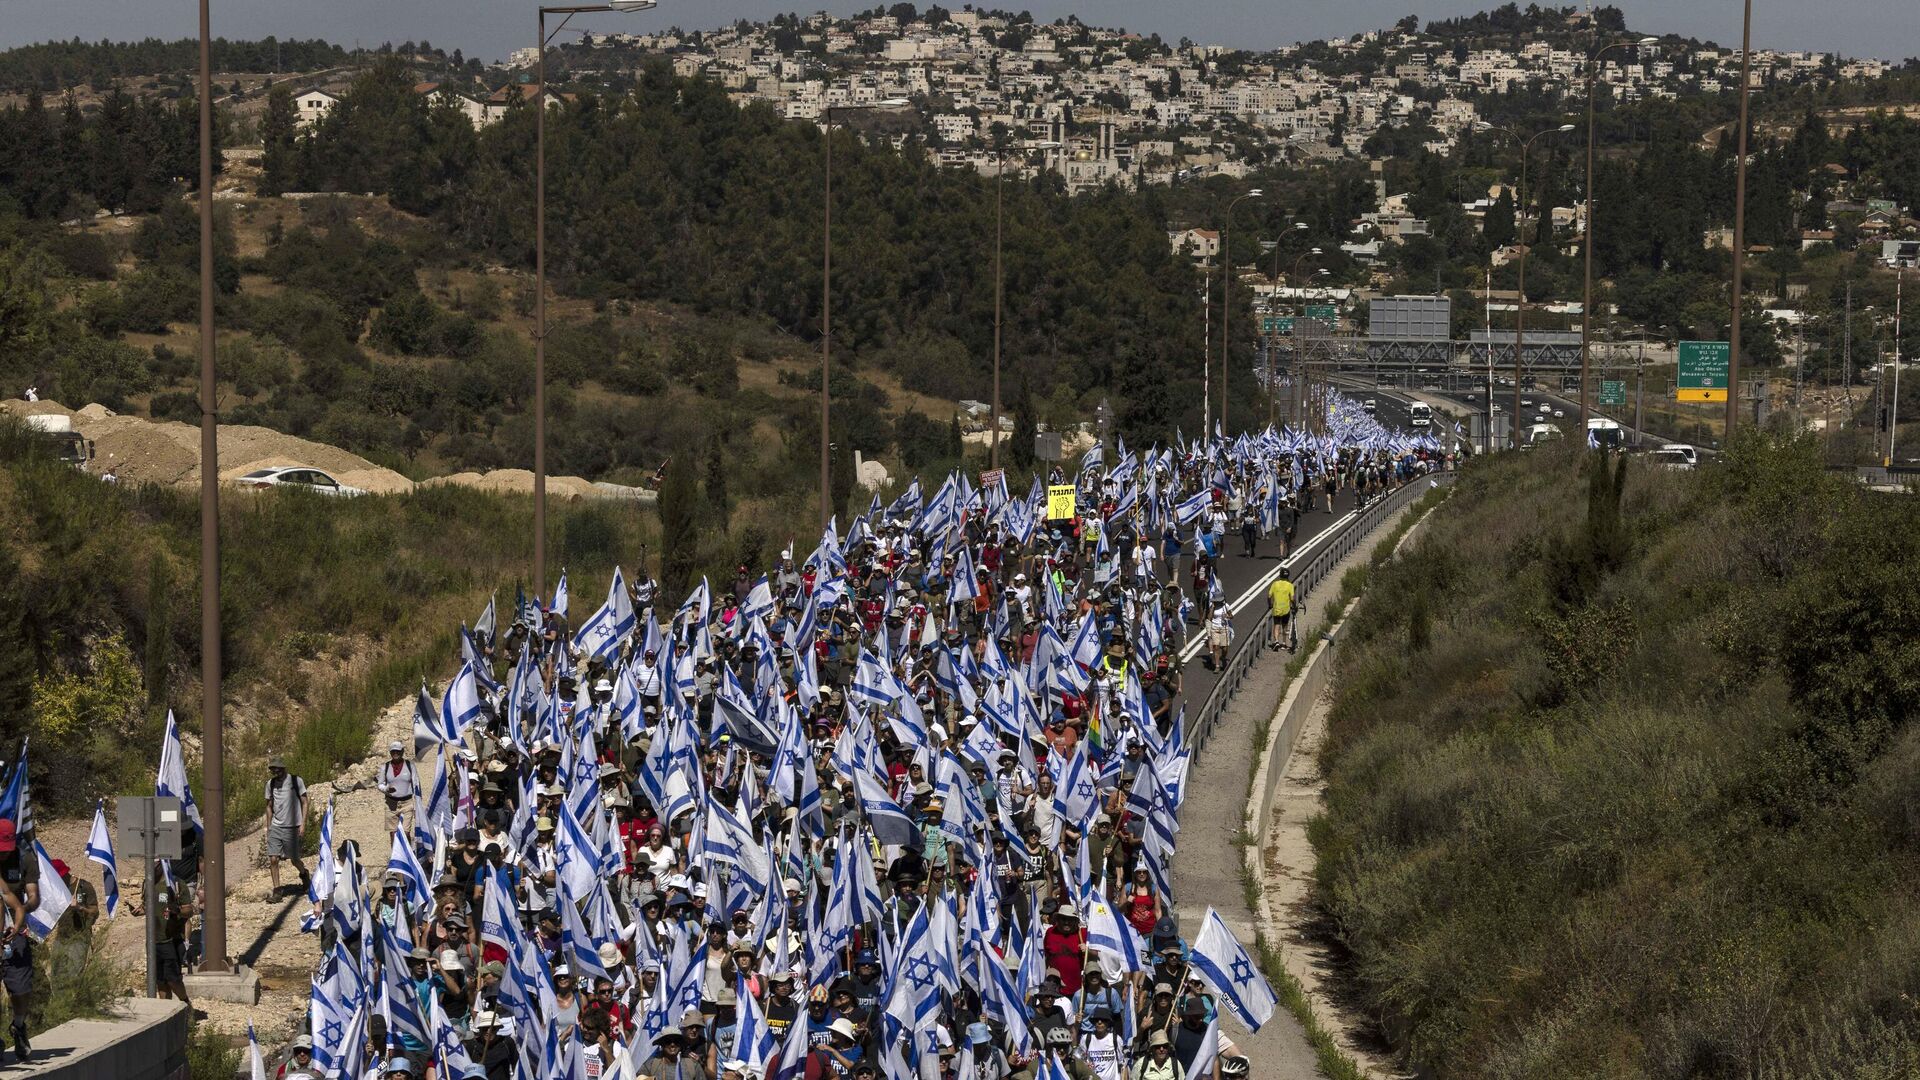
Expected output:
(1739, 224)
(542, 39)
(826, 310)
(213, 810)
(1300, 368)
(999, 203)
(1226, 300)
(1586, 243)
(1273, 340)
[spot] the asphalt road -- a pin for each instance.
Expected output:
(1244, 581)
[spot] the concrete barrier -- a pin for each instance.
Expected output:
(146, 1039)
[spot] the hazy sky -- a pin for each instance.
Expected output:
(489, 28)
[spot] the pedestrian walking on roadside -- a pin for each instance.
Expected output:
(1219, 635)
(286, 819)
(397, 781)
(1280, 604)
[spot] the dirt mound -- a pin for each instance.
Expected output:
(520, 482)
(168, 451)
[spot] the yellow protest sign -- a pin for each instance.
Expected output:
(1060, 502)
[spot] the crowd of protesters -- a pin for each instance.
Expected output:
(904, 805)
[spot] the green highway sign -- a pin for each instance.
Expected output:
(1613, 392)
(1326, 313)
(1702, 372)
(1276, 324)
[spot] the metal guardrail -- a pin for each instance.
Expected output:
(1327, 549)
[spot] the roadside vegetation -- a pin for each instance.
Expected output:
(331, 610)
(1622, 780)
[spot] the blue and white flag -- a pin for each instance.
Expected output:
(55, 898)
(752, 1038)
(256, 1064)
(401, 860)
(459, 706)
(1219, 960)
(600, 636)
(100, 850)
(326, 870)
(172, 781)
(560, 595)
(1110, 934)
(1193, 506)
(891, 825)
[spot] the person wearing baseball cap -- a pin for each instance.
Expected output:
(286, 797)
(397, 780)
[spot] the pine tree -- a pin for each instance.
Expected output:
(276, 140)
(1500, 227)
(1025, 429)
(720, 505)
(679, 526)
(17, 663)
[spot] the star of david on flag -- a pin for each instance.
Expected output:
(1220, 961)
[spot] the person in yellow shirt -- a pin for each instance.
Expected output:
(1280, 605)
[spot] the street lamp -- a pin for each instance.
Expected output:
(540, 266)
(1586, 243)
(1000, 175)
(1226, 298)
(1520, 300)
(1273, 307)
(826, 308)
(213, 927)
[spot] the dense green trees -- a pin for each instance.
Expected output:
(127, 155)
(673, 192)
(57, 65)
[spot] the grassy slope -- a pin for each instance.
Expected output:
(331, 609)
(1653, 819)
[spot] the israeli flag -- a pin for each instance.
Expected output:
(560, 595)
(891, 825)
(172, 781)
(1110, 934)
(1074, 793)
(964, 586)
(575, 853)
(257, 1065)
(55, 898)
(100, 850)
(1219, 960)
(600, 636)
(752, 1039)
(402, 861)
(459, 706)
(1194, 505)
(326, 871)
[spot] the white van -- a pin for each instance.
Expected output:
(1676, 456)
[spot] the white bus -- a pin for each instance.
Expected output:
(1605, 433)
(1421, 413)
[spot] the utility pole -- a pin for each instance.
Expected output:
(213, 810)
(1739, 226)
(1639, 387)
(1206, 358)
(1893, 407)
(1846, 377)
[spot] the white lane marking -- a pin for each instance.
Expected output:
(1259, 587)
